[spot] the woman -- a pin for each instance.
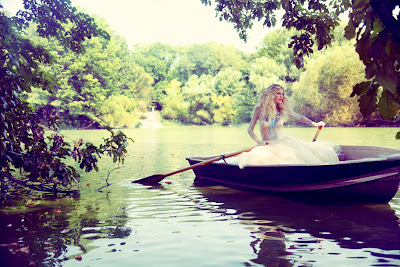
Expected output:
(276, 148)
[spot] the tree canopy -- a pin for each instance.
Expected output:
(372, 23)
(29, 157)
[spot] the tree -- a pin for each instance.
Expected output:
(156, 59)
(373, 23)
(275, 46)
(174, 106)
(197, 92)
(266, 71)
(324, 89)
(27, 157)
(119, 111)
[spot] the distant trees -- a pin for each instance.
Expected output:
(88, 82)
(198, 84)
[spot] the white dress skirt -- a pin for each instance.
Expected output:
(289, 150)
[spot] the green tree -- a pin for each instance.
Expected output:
(120, 111)
(223, 112)
(265, 71)
(209, 58)
(229, 82)
(227, 57)
(275, 46)
(87, 80)
(324, 89)
(174, 106)
(197, 92)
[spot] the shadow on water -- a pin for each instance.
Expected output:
(41, 234)
(284, 229)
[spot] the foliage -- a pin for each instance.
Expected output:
(87, 81)
(223, 109)
(265, 71)
(27, 157)
(174, 106)
(323, 91)
(378, 44)
(197, 92)
(372, 23)
(59, 19)
(274, 46)
(119, 111)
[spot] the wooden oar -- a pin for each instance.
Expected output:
(317, 133)
(156, 178)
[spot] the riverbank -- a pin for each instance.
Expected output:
(150, 120)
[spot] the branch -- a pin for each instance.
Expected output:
(108, 176)
(37, 188)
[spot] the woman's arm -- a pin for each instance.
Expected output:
(253, 122)
(303, 119)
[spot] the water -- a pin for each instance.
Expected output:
(182, 223)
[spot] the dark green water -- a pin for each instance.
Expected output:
(184, 224)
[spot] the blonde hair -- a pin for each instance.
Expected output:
(269, 108)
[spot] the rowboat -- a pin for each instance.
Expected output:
(363, 174)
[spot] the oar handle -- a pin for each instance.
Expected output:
(317, 133)
(228, 155)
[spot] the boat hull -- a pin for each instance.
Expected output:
(374, 180)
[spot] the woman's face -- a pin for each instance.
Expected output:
(279, 96)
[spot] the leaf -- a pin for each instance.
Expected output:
(349, 31)
(398, 135)
(361, 88)
(377, 28)
(370, 70)
(387, 105)
(388, 78)
(367, 104)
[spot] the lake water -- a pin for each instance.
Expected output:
(180, 223)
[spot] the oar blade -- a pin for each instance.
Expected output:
(150, 180)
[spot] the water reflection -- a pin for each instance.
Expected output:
(44, 233)
(289, 232)
(128, 224)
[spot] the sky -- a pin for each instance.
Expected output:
(174, 22)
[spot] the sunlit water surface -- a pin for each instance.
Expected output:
(183, 223)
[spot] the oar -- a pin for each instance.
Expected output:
(153, 179)
(317, 133)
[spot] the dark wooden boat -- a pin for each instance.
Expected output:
(363, 174)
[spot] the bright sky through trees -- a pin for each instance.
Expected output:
(175, 22)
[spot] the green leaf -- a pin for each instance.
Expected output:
(349, 31)
(361, 88)
(388, 78)
(387, 105)
(377, 28)
(368, 104)
(370, 70)
(398, 135)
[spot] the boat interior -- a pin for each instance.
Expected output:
(366, 152)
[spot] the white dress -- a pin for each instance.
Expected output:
(284, 149)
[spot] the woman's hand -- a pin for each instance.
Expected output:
(319, 124)
(262, 143)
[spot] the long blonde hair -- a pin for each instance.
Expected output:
(269, 108)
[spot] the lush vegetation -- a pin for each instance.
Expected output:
(202, 84)
(111, 85)
(30, 158)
